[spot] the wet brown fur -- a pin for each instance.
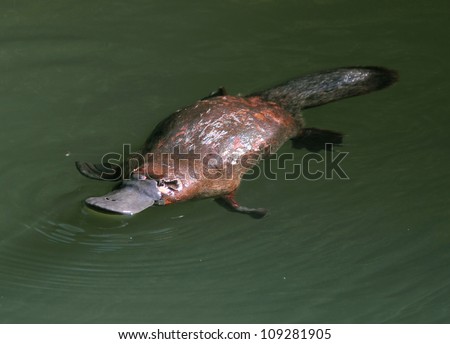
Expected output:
(233, 128)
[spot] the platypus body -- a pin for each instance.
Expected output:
(203, 150)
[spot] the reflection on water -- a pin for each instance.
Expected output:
(110, 233)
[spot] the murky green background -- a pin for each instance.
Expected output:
(80, 78)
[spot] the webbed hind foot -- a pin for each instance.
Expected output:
(230, 202)
(314, 139)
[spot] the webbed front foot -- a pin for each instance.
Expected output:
(100, 171)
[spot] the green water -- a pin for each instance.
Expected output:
(80, 78)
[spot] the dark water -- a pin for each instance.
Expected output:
(80, 78)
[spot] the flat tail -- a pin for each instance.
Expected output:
(328, 86)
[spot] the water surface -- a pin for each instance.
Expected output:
(81, 78)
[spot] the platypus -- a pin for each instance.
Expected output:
(203, 150)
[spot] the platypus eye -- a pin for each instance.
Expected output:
(138, 176)
(173, 184)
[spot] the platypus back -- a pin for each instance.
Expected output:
(328, 86)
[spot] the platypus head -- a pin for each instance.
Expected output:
(130, 197)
